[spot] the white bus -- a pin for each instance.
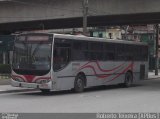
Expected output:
(53, 62)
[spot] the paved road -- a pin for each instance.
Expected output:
(143, 97)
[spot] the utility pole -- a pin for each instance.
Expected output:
(85, 13)
(156, 55)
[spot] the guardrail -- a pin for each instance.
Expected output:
(5, 76)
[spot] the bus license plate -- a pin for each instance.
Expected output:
(29, 85)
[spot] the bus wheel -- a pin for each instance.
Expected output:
(45, 90)
(128, 79)
(79, 83)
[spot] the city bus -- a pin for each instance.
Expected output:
(54, 62)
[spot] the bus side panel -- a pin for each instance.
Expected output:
(97, 73)
(136, 71)
(117, 75)
(103, 73)
(64, 78)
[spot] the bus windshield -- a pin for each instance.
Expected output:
(32, 57)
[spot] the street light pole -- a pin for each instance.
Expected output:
(85, 13)
(156, 55)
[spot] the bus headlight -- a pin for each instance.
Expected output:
(43, 81)
(18, 79)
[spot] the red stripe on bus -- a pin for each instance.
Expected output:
(95, 73)
(125, 70)
(103, 70)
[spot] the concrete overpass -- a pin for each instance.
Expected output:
(47, 14)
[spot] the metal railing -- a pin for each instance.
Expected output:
(5, 76)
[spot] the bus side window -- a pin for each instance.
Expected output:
(61, 58)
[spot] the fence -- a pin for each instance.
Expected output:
(5, 76)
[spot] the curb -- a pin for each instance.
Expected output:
(153, 78)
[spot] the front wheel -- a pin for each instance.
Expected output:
(79, 84)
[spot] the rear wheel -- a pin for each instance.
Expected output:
(128, 79)
(79, 83)
(45, 90)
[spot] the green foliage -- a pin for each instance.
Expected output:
(5, 68)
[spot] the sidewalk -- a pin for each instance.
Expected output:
(151, 75)
(5, 86)
(4, 79)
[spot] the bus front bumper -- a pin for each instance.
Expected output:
(31, 85)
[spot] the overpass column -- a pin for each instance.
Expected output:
(85, 12)
(156, 58)
(4, 58)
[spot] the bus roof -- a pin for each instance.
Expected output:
(81, 37)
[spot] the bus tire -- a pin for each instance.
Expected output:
(45, 90)
(79, 83)
(128, 79)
